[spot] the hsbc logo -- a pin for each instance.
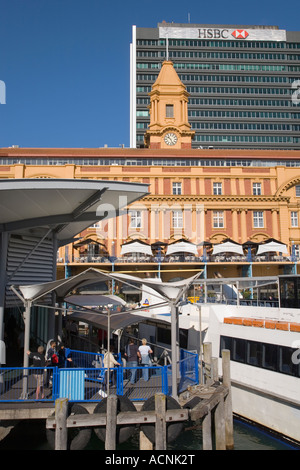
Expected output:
(240, 34)
(215, 33)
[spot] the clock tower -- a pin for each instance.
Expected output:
(169, 126)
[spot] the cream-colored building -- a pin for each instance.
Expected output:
(203, 196)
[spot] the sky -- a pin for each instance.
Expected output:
(64, 64)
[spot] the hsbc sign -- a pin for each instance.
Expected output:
(238, 34)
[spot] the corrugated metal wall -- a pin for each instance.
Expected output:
(37, 268)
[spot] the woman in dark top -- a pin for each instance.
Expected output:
(38, 362)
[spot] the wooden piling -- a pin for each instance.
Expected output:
(207, 432)
(207, 357)
(228, 399)
(220, 425)
(160, 424)
(61, 430)
(111, 422)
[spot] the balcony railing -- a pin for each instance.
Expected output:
(178, 259)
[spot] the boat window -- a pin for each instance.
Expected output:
(282, 359)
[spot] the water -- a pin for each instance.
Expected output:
(31, 435)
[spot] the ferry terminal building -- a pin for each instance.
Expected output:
(198, 197)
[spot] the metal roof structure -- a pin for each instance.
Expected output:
(67, 206)
(40, 214)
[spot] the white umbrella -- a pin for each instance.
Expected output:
(136, 247)
(228, 247)
(182, 247)
(272, 246)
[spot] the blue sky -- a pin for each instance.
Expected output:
(65, 63)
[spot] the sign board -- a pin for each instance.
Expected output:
(222, 33)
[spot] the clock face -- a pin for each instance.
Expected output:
(170, 138)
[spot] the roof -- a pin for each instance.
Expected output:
(117, 320)
(105, 152)
(66, 206)
(171, 291)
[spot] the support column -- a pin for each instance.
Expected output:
(175, 348)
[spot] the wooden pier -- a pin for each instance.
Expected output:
(207, 405)
(202, 404)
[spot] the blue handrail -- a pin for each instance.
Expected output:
(88, 383)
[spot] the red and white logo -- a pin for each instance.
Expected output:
(240, 34)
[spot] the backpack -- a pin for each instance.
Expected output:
(54, 359)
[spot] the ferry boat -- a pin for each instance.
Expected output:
(262, 334)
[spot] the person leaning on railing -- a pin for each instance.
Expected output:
(38, 360)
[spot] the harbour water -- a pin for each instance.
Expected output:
(31, 435)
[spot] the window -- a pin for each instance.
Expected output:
(256, 189)
(294, 219)
(298, 190)
(282, 359)
(217, 188)
(135, 219)
(258, 219)
(169, 110)
(177, 188)
(177, 219)
(218, 219)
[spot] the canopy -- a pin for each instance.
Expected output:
(88, 241)
(182, 247)
(171, 291)
(228, 247)
(136, 247)
(117, 320)
(272, 246)
(94, 300)
(67, 206)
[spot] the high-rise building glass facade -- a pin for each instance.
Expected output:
(243, 82)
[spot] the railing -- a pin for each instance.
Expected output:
(243, 302)
(180, 259)
(87, 381)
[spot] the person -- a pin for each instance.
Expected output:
(64, 358)
(132, 356)
(108, 362)
(145, 352)
(51, 356)
(51, 360)
(39, 363)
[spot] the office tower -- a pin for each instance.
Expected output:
(243, 82)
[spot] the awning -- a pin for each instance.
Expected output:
(182, 247)
(136, 247)
(89, 241)
(171, 291)
(67, 206)
(228, 247)
(118, 320)
(272, 246)
(94, 300)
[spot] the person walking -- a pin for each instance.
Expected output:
(109, 362)
(145, 352)
(38, 360)
(132, 356)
